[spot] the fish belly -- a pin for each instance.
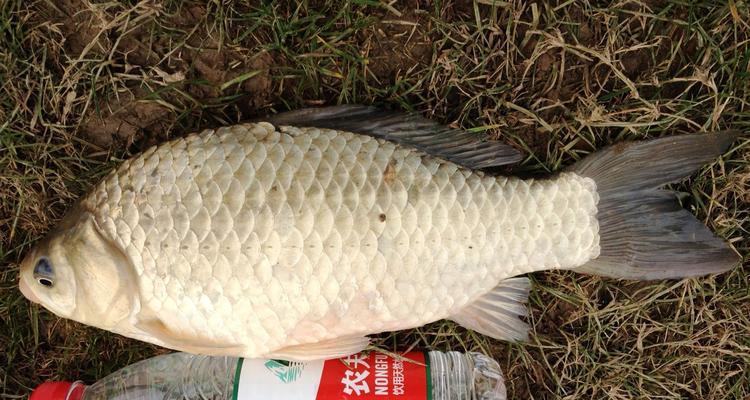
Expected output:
(269, 238)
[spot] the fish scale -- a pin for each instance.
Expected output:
(269, 238)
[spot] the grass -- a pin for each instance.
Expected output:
(85, 84)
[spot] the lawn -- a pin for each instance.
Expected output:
(85, 84)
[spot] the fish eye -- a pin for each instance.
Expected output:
(44, 282)
(43, 273)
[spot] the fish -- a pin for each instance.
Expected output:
(298, 235)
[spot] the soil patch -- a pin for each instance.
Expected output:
(160, 68)
(398, 44)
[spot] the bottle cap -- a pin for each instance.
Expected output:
(58, 391)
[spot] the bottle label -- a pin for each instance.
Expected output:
(362, 376)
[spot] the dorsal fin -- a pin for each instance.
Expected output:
(409, 129)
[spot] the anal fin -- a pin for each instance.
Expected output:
(496, 314)
(324, 350)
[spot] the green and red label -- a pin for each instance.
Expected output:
(359, 376)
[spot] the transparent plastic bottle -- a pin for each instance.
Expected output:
(451, 376)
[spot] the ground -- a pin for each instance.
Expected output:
(85, 84)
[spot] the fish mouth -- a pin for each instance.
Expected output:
(27, 292)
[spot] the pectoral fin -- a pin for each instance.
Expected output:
(325, 350)
(496, 314)
(182, 341)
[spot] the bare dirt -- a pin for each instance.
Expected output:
(396, 44)
(124, 120)
(200, 67)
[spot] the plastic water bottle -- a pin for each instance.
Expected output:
(415, 375)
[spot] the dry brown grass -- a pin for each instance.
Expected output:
(84, 84)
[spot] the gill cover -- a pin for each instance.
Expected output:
(95, 282)
(107, 285)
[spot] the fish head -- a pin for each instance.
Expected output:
(77, 272)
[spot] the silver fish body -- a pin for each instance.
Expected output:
(266, 239)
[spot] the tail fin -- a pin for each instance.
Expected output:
(644, 233)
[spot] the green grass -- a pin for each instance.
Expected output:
(85, 84)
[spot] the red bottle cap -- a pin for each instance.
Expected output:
(58, 391)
